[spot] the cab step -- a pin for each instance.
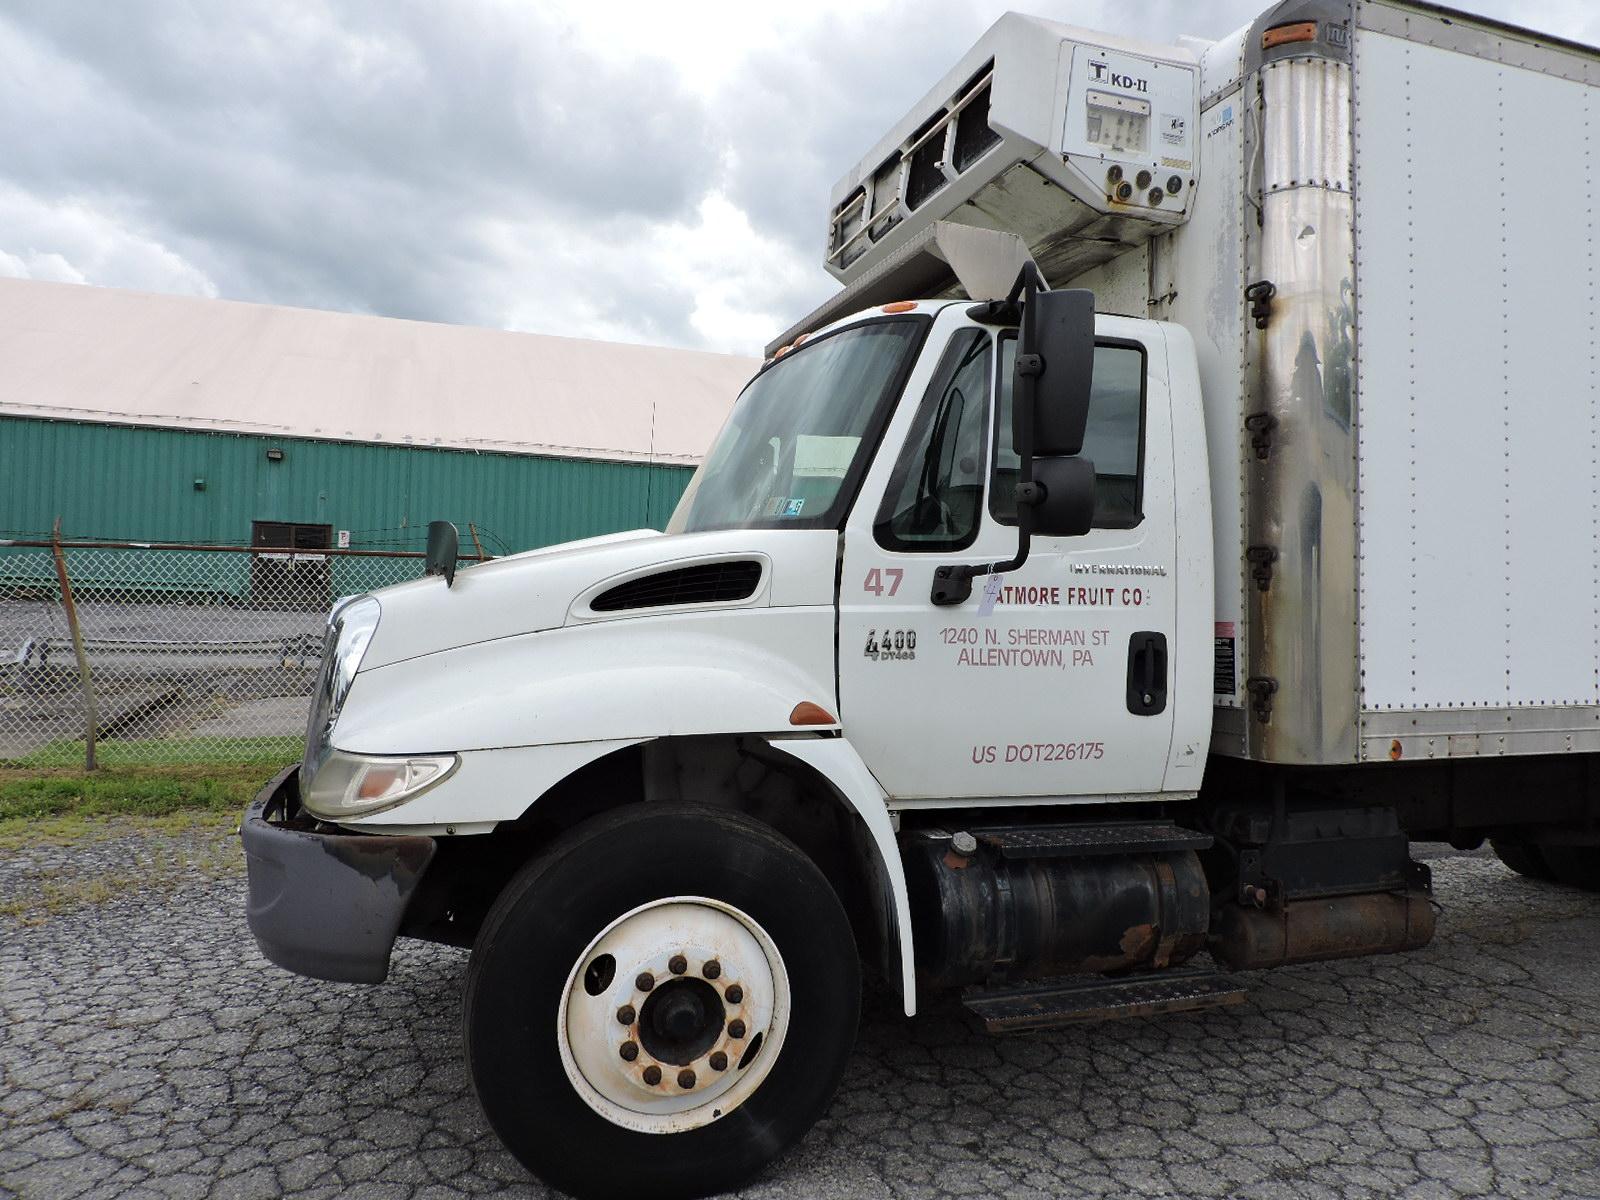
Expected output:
(1052, 1004)
(1082, 841)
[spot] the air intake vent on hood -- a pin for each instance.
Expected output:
(706, 583)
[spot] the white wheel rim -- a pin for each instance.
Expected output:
(748, 985)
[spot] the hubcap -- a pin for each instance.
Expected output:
(692, 1014)
(681, 1021)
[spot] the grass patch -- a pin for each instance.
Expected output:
(143, 791)
(255, 753)
(173, 822)
(72, 829)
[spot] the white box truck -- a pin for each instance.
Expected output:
(1191, 498)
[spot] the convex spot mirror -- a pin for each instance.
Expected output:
(444, 545)
(1066, 508)
(1055, 370)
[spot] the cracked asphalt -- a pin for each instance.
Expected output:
(148, 1051)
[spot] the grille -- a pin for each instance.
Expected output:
(706, 583)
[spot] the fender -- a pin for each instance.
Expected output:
(489, 787)
(837, 761)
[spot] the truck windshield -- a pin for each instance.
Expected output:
(796, 441)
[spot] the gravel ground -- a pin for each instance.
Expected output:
(147, 1050)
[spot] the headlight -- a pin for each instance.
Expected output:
(349, 785)
(350, 628)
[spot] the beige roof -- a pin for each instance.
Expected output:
(99, 354)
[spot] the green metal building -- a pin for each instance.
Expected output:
(142, 418)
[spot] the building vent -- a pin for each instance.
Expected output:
(704, 583)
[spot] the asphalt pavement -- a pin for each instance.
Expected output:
(146, 1050)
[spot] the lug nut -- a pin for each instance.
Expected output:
(736, 1028)
(735, 994)
(719, 1061)
(686, 1079)
(964, 843)
(712, 969)
(626, 1015)
(629, 1051)
(652, 1075)
(677, 964)
(644, 981)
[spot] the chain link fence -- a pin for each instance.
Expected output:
(188, 654)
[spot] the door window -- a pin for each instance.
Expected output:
(1113, 439)
(935, 495)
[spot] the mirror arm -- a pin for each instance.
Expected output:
(952, 584)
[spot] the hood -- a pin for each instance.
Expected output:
(568, 585)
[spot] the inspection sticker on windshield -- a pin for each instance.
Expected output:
(791, 508)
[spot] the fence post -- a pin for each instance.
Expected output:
(90, 709)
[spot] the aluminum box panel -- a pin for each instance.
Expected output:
(1477, 381)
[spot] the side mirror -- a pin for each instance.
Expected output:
(1050, 411)
(444, 545)
(1055, 371)
(1066, 507)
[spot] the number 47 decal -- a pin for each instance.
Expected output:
(875, 578)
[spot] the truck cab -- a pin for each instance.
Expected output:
(920, 474)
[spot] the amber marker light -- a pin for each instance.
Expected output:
(807, 713)
(1300, 31)
(1395, 750)
(900, 306)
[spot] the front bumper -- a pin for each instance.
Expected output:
(325, 904)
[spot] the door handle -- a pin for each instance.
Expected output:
(1147, 673)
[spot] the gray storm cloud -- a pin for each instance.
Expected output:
(470, 163)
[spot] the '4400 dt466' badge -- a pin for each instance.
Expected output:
(891, 645)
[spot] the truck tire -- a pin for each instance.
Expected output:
(1574, 866)
(660, 1004)
(1525, 859)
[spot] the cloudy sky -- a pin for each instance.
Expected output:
(645, 172)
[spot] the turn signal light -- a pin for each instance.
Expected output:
(807, 713)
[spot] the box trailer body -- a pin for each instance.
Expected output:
(1009, 645)
(1403, 460)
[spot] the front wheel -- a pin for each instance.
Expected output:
(661, 1004)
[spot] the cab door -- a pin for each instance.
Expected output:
(1049, 681)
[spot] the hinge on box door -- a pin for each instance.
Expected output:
(1259, 295)
(1260, 426)
(1262, 689)
(1261, 559)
